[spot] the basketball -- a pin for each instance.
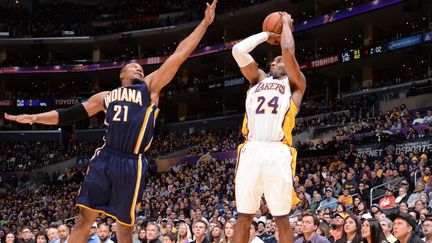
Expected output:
(273, 23)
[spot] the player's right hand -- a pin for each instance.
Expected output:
(24, 118)
(273, 38)
(287, 20)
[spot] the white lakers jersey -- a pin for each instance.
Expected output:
(270, 112)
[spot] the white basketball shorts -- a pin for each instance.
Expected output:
(264, 167)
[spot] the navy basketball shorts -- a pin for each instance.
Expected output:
(113, 185)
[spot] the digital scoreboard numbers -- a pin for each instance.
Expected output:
(355, 54)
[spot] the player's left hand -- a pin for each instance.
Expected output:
(24, 118)
(210, 13)
(287, 20)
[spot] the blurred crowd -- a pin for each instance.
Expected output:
(26, 156)
(336, 190)
(105, 18)
(117, 16)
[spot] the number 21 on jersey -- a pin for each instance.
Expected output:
(118, 109)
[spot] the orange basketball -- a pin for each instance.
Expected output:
(273, 23)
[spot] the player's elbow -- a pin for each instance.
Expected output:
(241, 57)
(236, 50)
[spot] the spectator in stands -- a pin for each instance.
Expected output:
(229, 231)
(376, 211)
(93, 237)
(387, 227)
(403, 207)
(184, 234)
(363, 192)
(375, 180)
(427, 230)
(152, 233)
(428, 118)
(388, 201)
(412, 133)
(216, 234)
(392, 177)
(169, 238)
(140, 237)
(114, 232)
(403, 195)
(404, 228)
(329, 201)
(418, 119)
(199, 229)
(41, 237)
(309, 226)
(324, 230)
(372, 232)
(304, 203)
(316, 200)
(10, 238)
(351, 230)
(335, 186)
(360, 210)
(53, 235)
(338, 225)
(104, 234)
(26, 235)
(419, 190)
(346, 199)
(63, 232)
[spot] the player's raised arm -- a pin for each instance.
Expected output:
(161, 77)
(291, 66)
(61, 116)
(247, 64)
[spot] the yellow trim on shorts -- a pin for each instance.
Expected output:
(238, 156)
(101, 211)
(142, 131)
(294, 200)
(137, 186)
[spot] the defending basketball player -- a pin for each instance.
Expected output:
(115, 179)
(266, 161)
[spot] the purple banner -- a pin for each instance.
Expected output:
(166, 164)
(345, 13)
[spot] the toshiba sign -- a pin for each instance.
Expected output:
(325, 61)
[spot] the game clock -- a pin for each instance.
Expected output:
(369, 51)
(355, 54)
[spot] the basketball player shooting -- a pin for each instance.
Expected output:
(115, 178)
(266, 161)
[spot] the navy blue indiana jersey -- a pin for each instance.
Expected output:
(130, 117)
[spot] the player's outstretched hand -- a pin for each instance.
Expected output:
(210, 13)
(24, 118)
(273, 38)
(287, 20)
